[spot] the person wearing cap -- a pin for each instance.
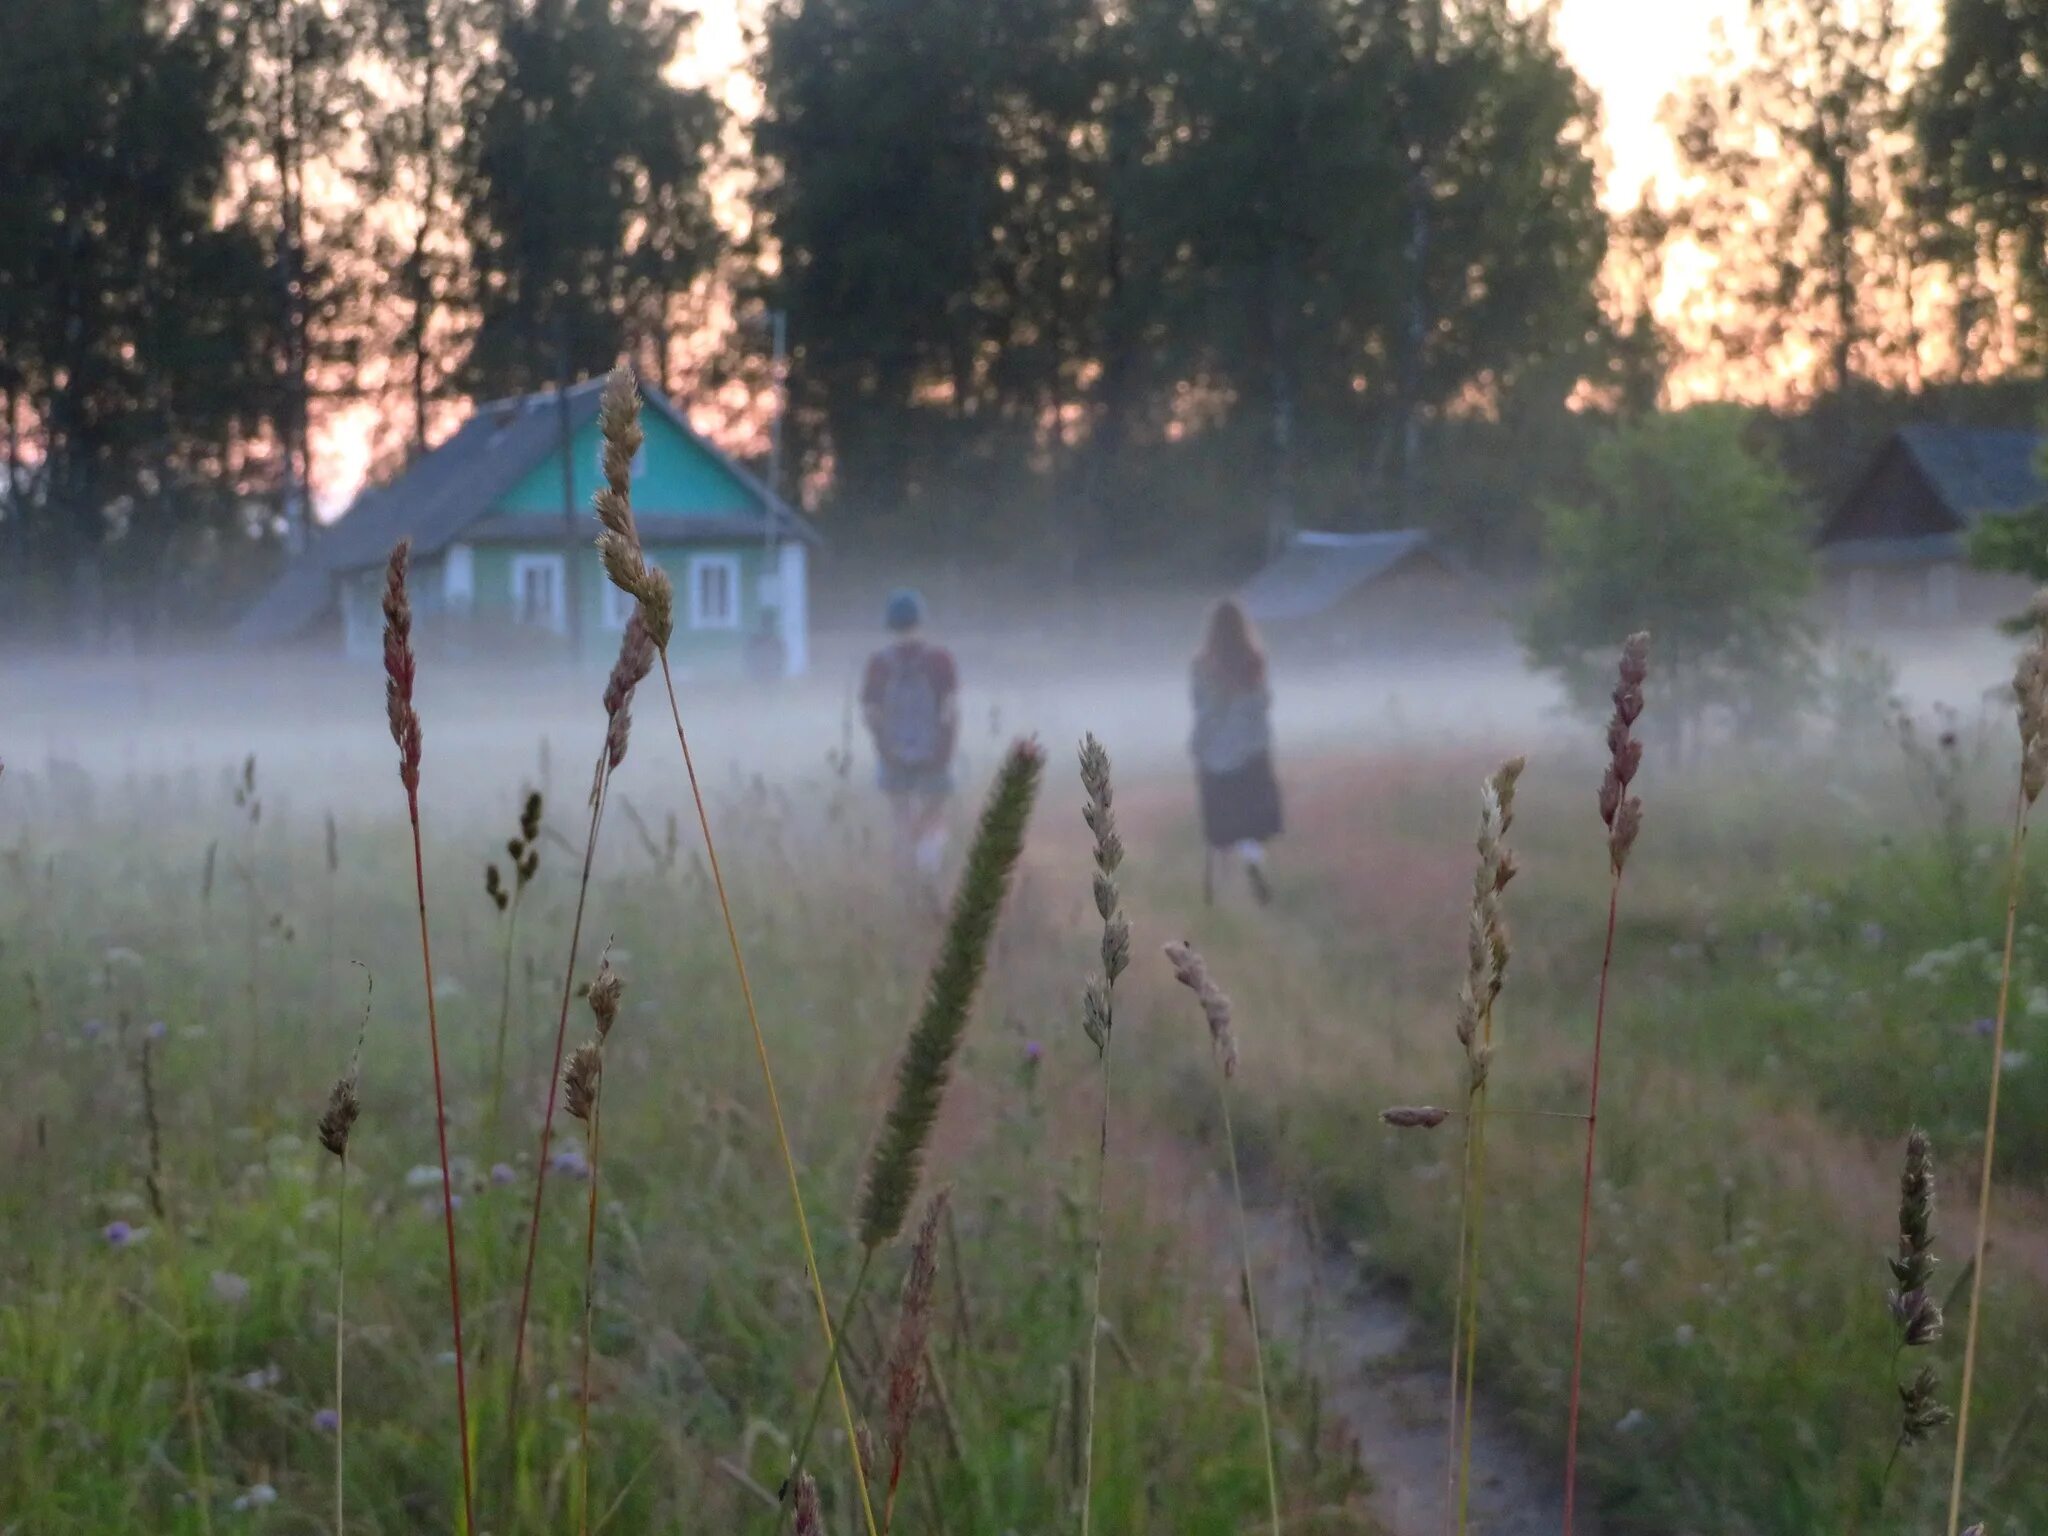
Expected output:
(910, 701)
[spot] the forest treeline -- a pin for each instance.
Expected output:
(1072, 283)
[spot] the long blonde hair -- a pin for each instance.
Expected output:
(1231, 656)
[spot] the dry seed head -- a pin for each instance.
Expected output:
(1621, 812)
(399, 668)
(810, 1520)
(635, 661)
(1192, 972)
(913, 1329)
(2030, 691)
(605, 991)
(580, 1080)
(1921, 1411)
(529, 816)
(494, 886)
(1415, 1117)
(625, 561)
(342, 1108)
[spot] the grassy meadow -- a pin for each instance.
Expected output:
(1807, 945)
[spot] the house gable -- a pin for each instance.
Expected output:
(1893, 500)
(677, 476)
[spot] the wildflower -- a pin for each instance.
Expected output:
(1631, 1421)
(501, 1173)
(155, 1029)
(570, 1163)
(119, 1234)
(263, 1378)
(327, 1421)
(422, 1176)
(92, 1029)
(230, 1287)
(256, 1498)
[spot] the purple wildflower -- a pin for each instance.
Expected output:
(501, 1173)
(118, 1234)
(327, 1421)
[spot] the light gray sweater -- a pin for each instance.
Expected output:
(1232, 725)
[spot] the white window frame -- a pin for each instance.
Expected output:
(458, 578)
(700, 565)
(558, 617)
(617, 605)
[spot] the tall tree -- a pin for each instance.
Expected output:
(1804, 197)
(140, 326)
(584, 188)
(302, 106)
(1984, 121)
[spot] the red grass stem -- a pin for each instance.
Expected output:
(419, 874)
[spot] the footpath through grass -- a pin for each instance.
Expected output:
(1799, 970)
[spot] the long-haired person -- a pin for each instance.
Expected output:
(1232, 745)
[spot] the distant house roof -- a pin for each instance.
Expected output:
(1978, 471)
(448, 493)
(1317, 571)
(1926, 487)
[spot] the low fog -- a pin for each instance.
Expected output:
(315, 720)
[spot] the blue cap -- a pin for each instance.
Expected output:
(905, 610)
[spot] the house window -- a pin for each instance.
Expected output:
(715, 592)
(537, 590)
(458, 576)
(618, 606)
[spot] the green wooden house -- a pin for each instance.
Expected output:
(504, 561)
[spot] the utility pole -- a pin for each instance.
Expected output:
(572, 585)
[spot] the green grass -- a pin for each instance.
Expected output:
(1737, 1344)
(706, 1352)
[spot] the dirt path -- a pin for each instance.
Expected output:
(1382, 1376)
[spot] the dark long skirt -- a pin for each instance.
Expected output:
(1241, 805)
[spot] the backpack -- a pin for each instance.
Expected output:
(911, 732)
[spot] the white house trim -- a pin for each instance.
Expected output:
(458, 578)
(793, 606)
(714, 592)
(549, 580)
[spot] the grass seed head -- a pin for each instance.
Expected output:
(580, 1080)
(1913, 1308)
(1415, 1117)
(927, 1063)
(605, 991)
(1192, 972)
(1621, 811)
(635, 661)
(399, 667)
(2030, 693)
(913, 1330)
(1921, 1410)
(625, 561)
(342, 1108)
(810, 1520)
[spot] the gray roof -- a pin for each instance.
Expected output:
(1316, 571)
(1978, 471)
(451, 488)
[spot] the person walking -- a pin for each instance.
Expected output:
(1232, 745)
(910, 701)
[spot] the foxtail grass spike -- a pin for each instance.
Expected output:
(906, 1370)
(921, 1076)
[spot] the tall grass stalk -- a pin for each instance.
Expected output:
(897, 1161)
(336, 1123)
(1098, 1016)
(626, 563)
(1192, 972)
(1622, 814)
(1486, 957)
(160, 1206)
(635, 661)
(399, 669)
(585, 1092)
(2030, 689)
